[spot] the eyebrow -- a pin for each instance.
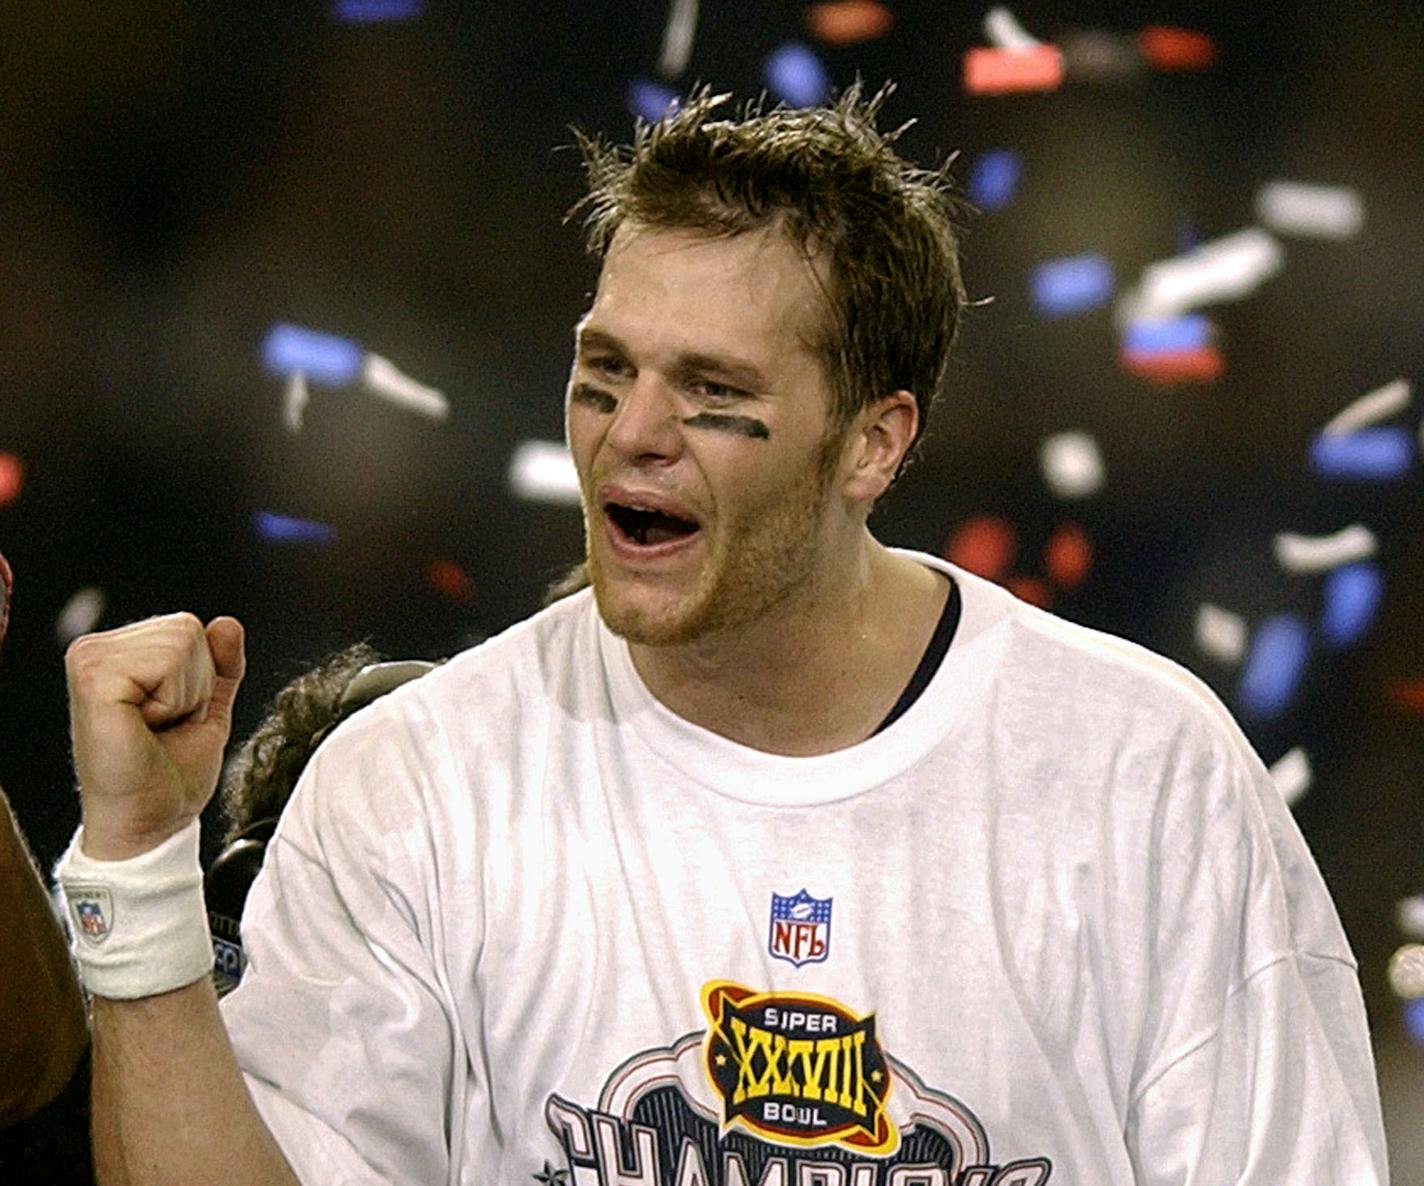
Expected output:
(736, 371)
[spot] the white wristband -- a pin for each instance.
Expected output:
(140, 926)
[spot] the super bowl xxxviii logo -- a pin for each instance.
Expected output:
(781, 1089)
(801, 1070)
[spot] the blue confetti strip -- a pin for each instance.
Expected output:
(1274, 666)
(322, 358)
(1192, 332)
(1073, 285)
(1368, 454)
(994, 178)
(650, 100)
(1352, 597)
(284, 529)
(795, 74)
(369, 12)
(1414, 1019)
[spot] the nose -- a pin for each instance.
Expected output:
(646, 424)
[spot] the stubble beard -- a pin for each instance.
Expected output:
(758, 563)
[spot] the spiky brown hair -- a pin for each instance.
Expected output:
(833, 183)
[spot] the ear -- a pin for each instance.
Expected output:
(876, 444)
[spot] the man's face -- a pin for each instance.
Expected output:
(700, 424)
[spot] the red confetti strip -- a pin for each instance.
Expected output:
(1068, 558)
(1203, 365)
(848, 22)
(1407, 694)
(1169, 48)
(990, 71)
(12, 478)
(984, 546)
(1030, 589)
(450, 579)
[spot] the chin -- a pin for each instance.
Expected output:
(670, 623)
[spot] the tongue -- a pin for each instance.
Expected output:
(662, 529)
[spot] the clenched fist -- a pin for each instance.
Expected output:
(150, 708)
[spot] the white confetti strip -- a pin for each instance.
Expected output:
(1371, 408)
(1406, 971)
(81, 613)
(1409, 914)
(1072, 464)
(678, 34)
(1225, 269)
(1220, 633)
(1320, 553)
(1291, 774)
(1003, 30)
(1316, 211)
(383, 379)
(543, 471)
(294, 402)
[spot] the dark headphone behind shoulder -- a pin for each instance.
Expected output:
(230, 876)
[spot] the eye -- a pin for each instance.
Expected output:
(609, 365)
(710, 391)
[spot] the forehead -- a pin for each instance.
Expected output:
(753, 293)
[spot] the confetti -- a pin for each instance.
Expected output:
(795, 74)
(1409, 914)
(1352, 598)
(324, 358)
(1031, 590)
(994, 178)
(447, 577)
(1224, 269)
(1414, 1019)
(1174, 334)
(1319, 553)
(1003, 30)
(1095, 56)
(12, 478)
(848, 22)
(1068, 556)
(1062, 287)
(1169, 48)
(649, 100)
(1370, 408)
(1072, 465)
(1407, 694)
(1312, 211)
(7, 583)
(384, 380)
(1368, 454)
(1274, 666)
(283, 529)
(543, 471)
(678, 35)
(1170, 368)
(368, 12)
(1406, 971)
(984, 546)
(1008, 71)
(80, 615)
(294, 401)
(1291, 773)
(1220, 633)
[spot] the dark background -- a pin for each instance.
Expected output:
(176, 177)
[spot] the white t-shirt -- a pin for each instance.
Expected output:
(522, 923)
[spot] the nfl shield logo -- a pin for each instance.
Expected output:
(93, 910)
(800, 928)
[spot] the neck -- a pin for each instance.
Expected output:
(817, 674)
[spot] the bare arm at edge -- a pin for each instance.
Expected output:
(170, 1104)
(43, 1030)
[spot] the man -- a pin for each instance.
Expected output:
(779, 858)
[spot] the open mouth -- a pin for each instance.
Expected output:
(646, 527)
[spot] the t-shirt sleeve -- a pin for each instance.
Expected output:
(1257, 1067)
(343, 1023)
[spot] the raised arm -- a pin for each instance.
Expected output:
(151, 709)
